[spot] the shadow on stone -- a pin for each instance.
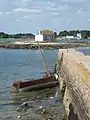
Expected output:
(72, 115)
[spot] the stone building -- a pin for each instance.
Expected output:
(45, 35)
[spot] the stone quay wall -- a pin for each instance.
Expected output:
(73, 69)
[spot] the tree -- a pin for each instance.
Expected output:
(55, 34)
(63, 33)
(3, 35)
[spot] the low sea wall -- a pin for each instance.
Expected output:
(22, 45)
(73, 69)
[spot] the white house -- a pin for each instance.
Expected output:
(45, 35)
(39, 38)
(69, 37)
(79, 36)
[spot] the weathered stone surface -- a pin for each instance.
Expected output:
(74, 68)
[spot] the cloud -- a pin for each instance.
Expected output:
(7, 13)
(58, 8)
(80, 11)
(18, 20)
(74, 1)
(1, 13)
(26, 0)
(27, 10)
(25, 17)
(58, 14)
(88, 20)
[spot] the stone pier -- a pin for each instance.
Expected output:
(73, 68)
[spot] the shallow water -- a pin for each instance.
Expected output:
(3, 40)
(85, 50)
(73, 41)
(21, 65)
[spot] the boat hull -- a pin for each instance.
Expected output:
(48, 81)
(38, 86)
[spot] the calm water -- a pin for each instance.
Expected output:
(20, 65)
(60, 41)
(86, 50)
(73, 41)
(2, 40)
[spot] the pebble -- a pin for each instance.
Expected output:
(40, 107)
(19, 117)
(51, 97)
(43, 111)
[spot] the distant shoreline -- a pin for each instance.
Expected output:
(51, 45)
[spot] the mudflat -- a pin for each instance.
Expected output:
(48, 113)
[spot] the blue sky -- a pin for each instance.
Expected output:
(33, 15)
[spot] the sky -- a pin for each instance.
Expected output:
(33, 15)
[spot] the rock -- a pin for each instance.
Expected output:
(43, 111)
(49, 117)
(19, 117)
(51, 97)
(24, 105)
(63, 117)
(40, 107)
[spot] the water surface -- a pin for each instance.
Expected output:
(21, 65)
(85, 50)
(73, 41)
